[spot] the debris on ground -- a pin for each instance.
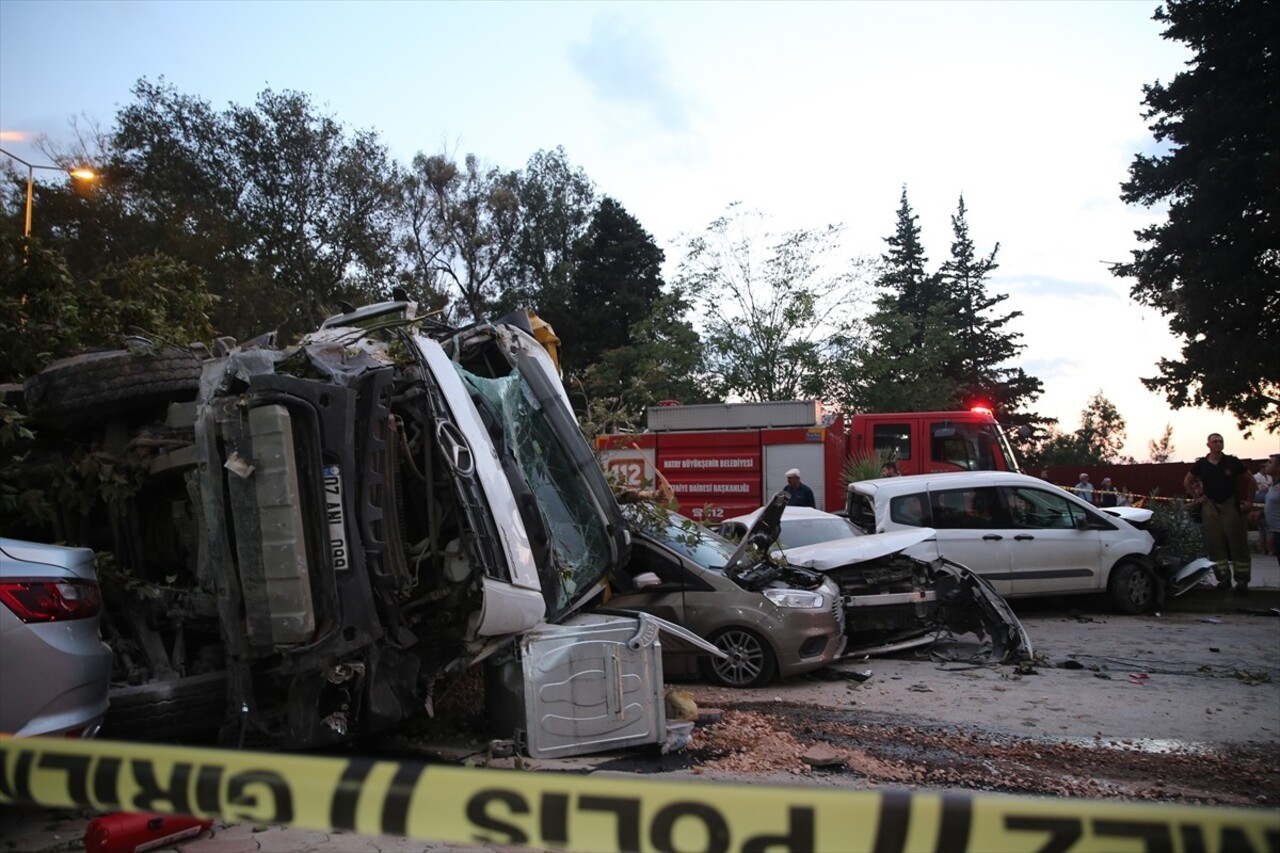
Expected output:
(800, 739)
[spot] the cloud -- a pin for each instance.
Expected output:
(624, 67)
(1042, 285)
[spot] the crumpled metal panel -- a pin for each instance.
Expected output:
(592, 684)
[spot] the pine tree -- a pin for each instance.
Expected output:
(1212, 266)
(985, 342)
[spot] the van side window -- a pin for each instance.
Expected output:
(1037, 508)
(910, 509)
(968, 509)
(891, 441)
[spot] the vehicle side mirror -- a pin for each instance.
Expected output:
(645, 580)
(1082, 522)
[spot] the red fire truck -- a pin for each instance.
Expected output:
(725, 459)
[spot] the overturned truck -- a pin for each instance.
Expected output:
(323, 538)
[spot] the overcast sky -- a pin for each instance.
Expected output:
(813, 113)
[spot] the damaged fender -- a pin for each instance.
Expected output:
(969, 603)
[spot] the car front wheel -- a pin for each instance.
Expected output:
(1133, 589)
(750, 661)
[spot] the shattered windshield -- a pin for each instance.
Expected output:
(693, 541)
(578, 537)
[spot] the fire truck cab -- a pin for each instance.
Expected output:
(725, 459)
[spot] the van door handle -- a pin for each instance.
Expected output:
(1023, 537)
(992, 537)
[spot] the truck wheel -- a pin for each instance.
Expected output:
(1132, 588)
(178, 709)
(81, 389)
(750, 663)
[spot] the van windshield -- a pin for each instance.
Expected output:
(579, 540)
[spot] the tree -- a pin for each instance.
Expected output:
(46, 312)
(557, 203)
(466, 221)
(1162, 450)
(617, 281)
(985, 345)
(283, 210)
(776, 313)
(627, 344)
(932, 342)
(1098, 441)
(1213, 265)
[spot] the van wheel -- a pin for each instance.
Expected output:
(83, 389)
(1132, 588)
(750, 661)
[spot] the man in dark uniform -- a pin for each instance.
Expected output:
(799, 493)
(1223, 487)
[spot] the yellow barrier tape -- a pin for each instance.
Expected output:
(593, 813)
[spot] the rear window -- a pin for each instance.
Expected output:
(862, 512)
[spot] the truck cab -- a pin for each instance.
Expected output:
(933, 442)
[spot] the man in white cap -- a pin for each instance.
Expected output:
(1084, 489)
(799, 493)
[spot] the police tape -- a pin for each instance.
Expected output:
(542, 809)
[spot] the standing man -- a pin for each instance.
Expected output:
(1221, 484)
(1107, 494)
(1272, 503)
(1084, 489)
(798, 492)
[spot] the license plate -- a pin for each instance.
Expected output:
(339, 554)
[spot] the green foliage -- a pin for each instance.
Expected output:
(1173, 531)
(46, 313)
(282, 210)
(24, 503)
(465, 223)
(1213, 265)
(777, 312)
(864, 467)
(557, 203)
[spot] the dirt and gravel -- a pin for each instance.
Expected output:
(1180, 707)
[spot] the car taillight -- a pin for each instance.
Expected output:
(34, 600)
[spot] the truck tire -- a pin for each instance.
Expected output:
(82, 389)
(179, 709)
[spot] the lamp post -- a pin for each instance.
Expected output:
(81, 174)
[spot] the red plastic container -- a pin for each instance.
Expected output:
(134, 832)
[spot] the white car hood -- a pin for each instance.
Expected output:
(1131, 514)
(825, 556)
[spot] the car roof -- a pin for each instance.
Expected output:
(891, 486)
(788, 514)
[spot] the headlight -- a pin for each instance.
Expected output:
(796, 598)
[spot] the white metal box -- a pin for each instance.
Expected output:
(592, 684)
(779, 413)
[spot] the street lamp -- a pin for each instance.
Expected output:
(80, 174)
